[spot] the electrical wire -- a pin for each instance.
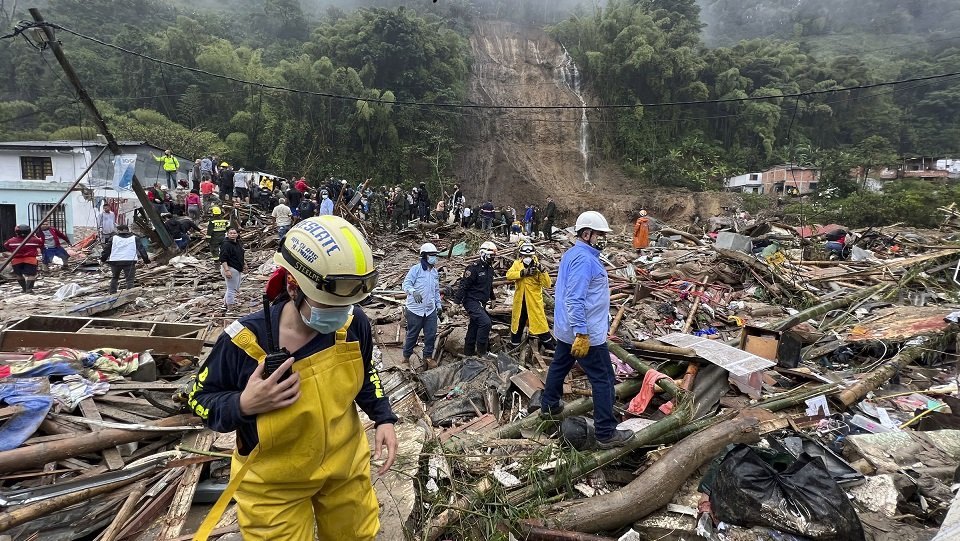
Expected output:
(26, 25)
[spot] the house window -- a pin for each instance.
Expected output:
(754, 177)
(813, 186)
(35, 167)
(58, 219)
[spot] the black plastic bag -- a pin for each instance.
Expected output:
(579, 432)
(802, 499)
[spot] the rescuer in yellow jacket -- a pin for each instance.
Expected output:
(302, 464)
(170, 164)
(530, 279)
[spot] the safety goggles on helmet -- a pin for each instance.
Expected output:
(338, 285)
(527, 249)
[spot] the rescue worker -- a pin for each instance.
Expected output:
(641, 231)
(422, 285)
(326, 204)
(530, 279)
(24, 260)
(477, 286)
(217, 231)
(302, 463)
(580, 317)
(121, 252)
(227, 176)
(170, 166)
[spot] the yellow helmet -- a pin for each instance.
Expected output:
(216, 211)
(224, 164)
(330, 260)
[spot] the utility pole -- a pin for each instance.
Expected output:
(112, 144)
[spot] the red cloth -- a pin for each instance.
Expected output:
(301, 186)
(640, 402)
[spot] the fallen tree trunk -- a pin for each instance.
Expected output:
(35, 456)
(655, 487)
(821, 309)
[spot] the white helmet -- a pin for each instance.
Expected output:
(527, 249)
(330, 260)
(592, 219)
(487, 250)
(428, 248)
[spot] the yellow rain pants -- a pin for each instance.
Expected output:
(311, 470)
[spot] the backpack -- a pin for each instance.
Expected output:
(305, 206)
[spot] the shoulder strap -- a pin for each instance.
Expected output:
(244, 339)
(342, 331)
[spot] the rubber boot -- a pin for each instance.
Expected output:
(23, 284)
(469, 351)
(482, 349)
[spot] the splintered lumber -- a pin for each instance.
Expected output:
(177, 513)
(112, 531)
(656, 486)
(873, 380)
(35, 456)
(26, 513)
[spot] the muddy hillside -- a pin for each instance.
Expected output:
(517, 156)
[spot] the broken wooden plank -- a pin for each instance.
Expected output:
(111, 455)
(183, 497)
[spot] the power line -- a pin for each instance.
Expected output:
(26, 25)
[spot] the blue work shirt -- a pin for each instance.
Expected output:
(326, 207)
(426, 282)
(582, 296)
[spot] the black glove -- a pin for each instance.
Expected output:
(417, 297)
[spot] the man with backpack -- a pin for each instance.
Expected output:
(306, 208)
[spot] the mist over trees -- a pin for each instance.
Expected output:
(630, 52)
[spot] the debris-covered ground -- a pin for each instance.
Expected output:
(776, 392)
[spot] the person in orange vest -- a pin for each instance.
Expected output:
(641, 231)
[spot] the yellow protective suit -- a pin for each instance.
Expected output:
(311, 470)
(529, 290)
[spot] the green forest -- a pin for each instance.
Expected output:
(631, 52)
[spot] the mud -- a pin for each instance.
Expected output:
(517, 156)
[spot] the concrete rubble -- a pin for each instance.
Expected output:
(840, 369)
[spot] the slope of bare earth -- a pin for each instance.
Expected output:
(519, 156)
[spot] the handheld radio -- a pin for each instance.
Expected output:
(275, 357)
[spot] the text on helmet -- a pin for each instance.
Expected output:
(323, 237)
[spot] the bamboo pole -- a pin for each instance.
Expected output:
(875, 379)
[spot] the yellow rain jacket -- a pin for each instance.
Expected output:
(529, 290)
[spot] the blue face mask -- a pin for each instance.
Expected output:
(431, 260)
(327, 320)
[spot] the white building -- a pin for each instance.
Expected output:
(35, 174)
(746, 183)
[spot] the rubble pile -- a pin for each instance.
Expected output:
(778, 388)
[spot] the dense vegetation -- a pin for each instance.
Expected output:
(385, 55)
(630, 51)
(650, 51)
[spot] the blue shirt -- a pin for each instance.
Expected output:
(427, 284)
(582, 296)
(326, 207)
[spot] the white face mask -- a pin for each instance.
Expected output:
(527, 261)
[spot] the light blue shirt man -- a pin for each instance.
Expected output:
(326, 207)
(425, 283)
(582, 296)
